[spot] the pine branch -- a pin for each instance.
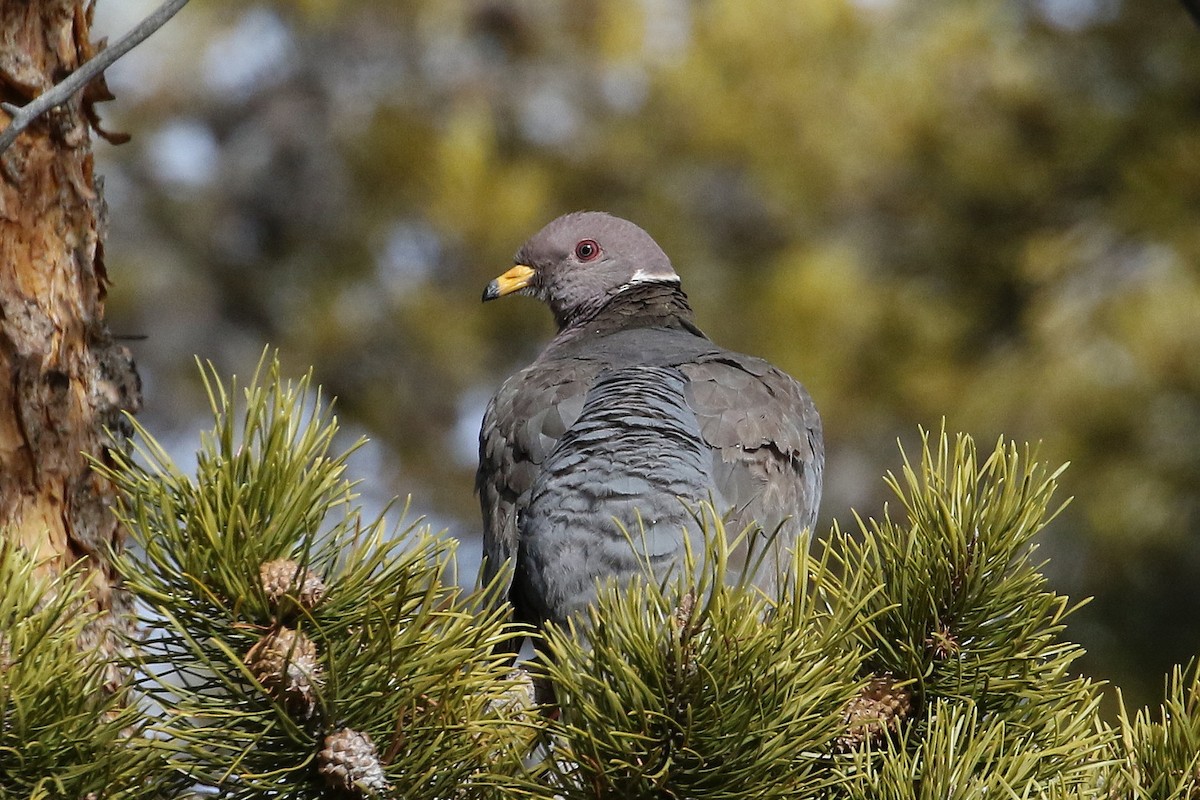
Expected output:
(299, 651)
(1162, 756)
(963, 612)
(964, 606)
(62, 723)
(964, 753)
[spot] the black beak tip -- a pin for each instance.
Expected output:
(491, 291)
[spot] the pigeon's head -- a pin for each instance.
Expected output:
(579, 260)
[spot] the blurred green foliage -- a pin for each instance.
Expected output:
(980, 210)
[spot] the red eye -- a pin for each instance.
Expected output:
(587, 250)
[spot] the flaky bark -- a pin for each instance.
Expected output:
(62, 379)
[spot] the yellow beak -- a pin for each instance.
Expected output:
(514, 280)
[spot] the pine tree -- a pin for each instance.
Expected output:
(292, 649)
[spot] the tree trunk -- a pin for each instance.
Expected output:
(62, 379)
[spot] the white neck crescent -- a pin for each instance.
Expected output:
(642, 276)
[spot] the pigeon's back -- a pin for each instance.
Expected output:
(616, 497)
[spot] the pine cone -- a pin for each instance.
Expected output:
(350, 763)
(283, 579)
(877, 711)
(285, 663)
(683, 612)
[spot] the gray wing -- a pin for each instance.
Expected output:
(624, 474)
(766, 444)
(523, 422)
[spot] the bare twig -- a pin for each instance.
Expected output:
(23, 116)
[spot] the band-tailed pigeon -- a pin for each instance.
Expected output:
(628, 415)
